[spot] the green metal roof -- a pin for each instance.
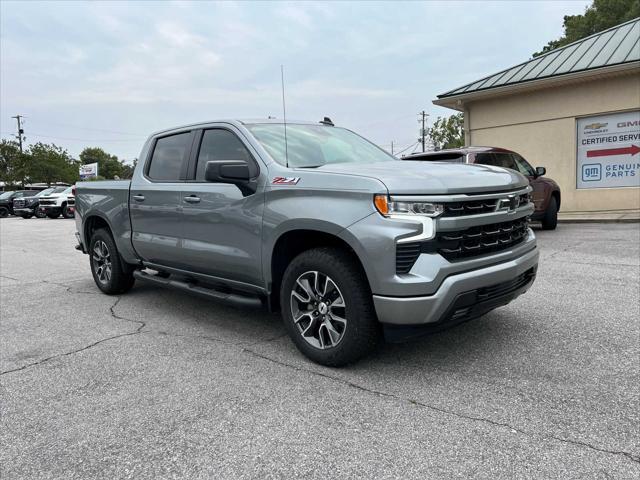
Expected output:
(617, 45)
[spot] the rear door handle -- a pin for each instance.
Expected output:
(138, 198)
(192, 199)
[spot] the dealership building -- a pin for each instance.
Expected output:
(574, 110)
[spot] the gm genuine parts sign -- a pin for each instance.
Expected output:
(608, 151)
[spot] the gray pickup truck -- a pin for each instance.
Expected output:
(348, 242)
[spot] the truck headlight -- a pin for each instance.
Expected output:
(387, 207)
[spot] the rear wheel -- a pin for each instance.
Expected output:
(67, 212)
(4, 212)
(327, 307)
(110, 273)
(550, 219)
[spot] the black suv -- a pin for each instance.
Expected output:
(6, 200)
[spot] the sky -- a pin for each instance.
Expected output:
(108, 74)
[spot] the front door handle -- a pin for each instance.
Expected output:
(192, 199)
(138, 198)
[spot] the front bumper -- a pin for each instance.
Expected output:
(460, 296)
(24, 211)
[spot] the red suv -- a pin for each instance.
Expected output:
(546, 192)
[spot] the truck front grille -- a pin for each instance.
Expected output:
(20, 203)
(474, 207)
(44, 202)
(479, 240)
(472, 242)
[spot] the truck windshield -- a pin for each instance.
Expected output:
(6, 195)
(311, 146)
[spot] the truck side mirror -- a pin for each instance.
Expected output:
(235, 172)
(540, 171)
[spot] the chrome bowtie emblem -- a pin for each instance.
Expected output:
(510, 204)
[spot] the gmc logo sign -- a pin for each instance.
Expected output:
(635, 123)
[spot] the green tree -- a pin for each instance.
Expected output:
(12, 163)
(602, 14)
(49, 163)
(448, 132)
(108, 165)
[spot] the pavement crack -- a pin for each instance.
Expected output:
(86, 347)
(9, 278)
(463, 416)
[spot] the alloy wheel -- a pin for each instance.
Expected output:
(318, 309)
(102, 261)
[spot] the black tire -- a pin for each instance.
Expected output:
(40, 213)
(26, 215)
(550, 219)
(120, 278)
(4, 212)
(66, 213)
(361, 331)
(53, 214)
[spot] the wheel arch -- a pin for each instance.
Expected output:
(91, 224)
(556, 194)
(293, 242)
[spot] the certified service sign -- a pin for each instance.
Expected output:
(608, 151)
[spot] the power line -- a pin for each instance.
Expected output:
(79, 139)
(75, 127)
(415, 144)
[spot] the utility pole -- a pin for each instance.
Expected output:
(423, 131)
(20, 135)
(391, 147)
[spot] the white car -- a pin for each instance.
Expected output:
(58, 203)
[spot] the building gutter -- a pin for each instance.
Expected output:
(457, 102)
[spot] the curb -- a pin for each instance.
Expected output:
(598, 220)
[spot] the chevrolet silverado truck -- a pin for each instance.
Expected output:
(349, 243)
(60, 203)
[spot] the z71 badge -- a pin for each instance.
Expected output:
(285, 180)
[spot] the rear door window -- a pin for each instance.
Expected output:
(169, 157)
(442, 157)
(220, 144)
(496, 159)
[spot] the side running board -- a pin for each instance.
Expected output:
(223, 297)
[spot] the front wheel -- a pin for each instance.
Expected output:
(550, 219)
(4, 212)
(39, 213)
(53, 214)
(26, 215)
(327, 307)
(108, 269)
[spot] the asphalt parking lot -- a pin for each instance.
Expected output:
(158, 384)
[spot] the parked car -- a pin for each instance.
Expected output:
(27, 207)
(546, 192)
(341, 237)
(55, 204)
(6, 200)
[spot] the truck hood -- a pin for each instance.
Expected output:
(420, 178)
(53, 196)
